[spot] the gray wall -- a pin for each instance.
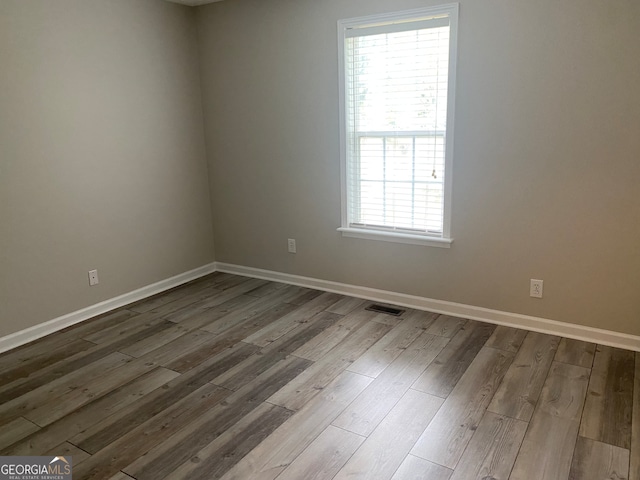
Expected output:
(102, 158)
(546, 163)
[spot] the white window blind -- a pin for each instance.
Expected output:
(396, 98)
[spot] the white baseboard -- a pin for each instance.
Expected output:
(536, 324)
(37, 331)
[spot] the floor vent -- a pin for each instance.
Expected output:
(384, 309)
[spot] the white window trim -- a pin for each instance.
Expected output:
(431, 241)
(347, 230)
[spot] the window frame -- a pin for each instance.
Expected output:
(443, 240)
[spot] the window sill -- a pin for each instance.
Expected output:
(396, 237)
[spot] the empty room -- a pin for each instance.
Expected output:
(319, 239)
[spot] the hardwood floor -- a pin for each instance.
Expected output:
(238, 378)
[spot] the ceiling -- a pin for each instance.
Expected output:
(194, 3)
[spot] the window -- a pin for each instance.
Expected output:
(397, 79)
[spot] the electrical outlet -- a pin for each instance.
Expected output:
(291, 245)
(535, 289)
(93, 277)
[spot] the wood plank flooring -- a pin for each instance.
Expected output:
(238, 378)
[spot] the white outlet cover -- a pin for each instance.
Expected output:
(535, 288)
